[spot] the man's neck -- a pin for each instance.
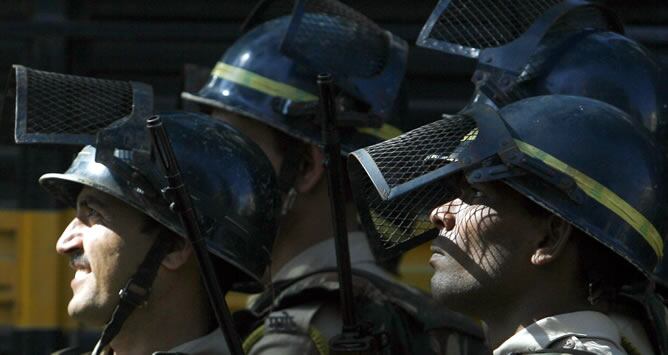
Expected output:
(306, 227)
(161, 325)
(535, 303)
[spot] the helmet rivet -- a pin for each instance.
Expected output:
(478, 76)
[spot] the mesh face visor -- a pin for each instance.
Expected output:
(502, 35)
(68, 109)
(397, 183)
(325, 33)
(365, 60)
(466, 27)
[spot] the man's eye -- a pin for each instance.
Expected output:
(472, 195)
(92, 214)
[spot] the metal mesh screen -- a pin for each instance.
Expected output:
(401, 161)
(465, 27)
(328, 34)
(58, 103)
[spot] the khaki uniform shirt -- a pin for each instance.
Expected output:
(210, 344)
(306, 328)
(595, 332)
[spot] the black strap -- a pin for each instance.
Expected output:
(290, 168)
(134, 294)
(556, 352)
(292, 159)
(74, 350)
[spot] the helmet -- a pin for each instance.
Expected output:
(581, 52)
(562, 152)
(570, 47)
(599, 64)
(230, 180)
(257, 79)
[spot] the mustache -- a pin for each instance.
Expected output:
(78, 260)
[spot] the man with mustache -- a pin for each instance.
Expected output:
(543, 235)
(136, 274)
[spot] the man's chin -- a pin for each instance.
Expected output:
(87, 313)
(452, 293)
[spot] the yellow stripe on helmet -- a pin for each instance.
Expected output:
(260, 83)
(602, 195)
(274, 88)
(471, 136)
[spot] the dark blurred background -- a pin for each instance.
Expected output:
(151, 41)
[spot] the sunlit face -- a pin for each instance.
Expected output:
(105, 244)
(484, 246)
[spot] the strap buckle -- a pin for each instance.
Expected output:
(134, 294)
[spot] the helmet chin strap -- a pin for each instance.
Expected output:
(289, 171)
(134, 294)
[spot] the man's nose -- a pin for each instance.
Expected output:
(71, 239)
(443, 217)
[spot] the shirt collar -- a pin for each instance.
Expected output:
(322, 255)
(542, 333)
(212, 343)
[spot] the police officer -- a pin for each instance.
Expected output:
(543, 234)
(272, 97)
(587, 54)
(135, 273)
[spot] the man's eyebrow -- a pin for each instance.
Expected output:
(90, 201)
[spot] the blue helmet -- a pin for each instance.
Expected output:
(533, 145)
(257, 79)
(598, 64)
(565, 47)
(230, 179)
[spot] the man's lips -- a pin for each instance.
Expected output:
(81, 267)
(437, 254)
(437, 250)
(440, 243)
(444, 241)
(79, 276)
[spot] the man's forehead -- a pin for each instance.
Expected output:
(91, 195)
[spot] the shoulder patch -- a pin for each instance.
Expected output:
(294, 320)
(281, 322)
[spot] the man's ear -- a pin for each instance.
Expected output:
(312, 169)
(177, 257)
(557, 233)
